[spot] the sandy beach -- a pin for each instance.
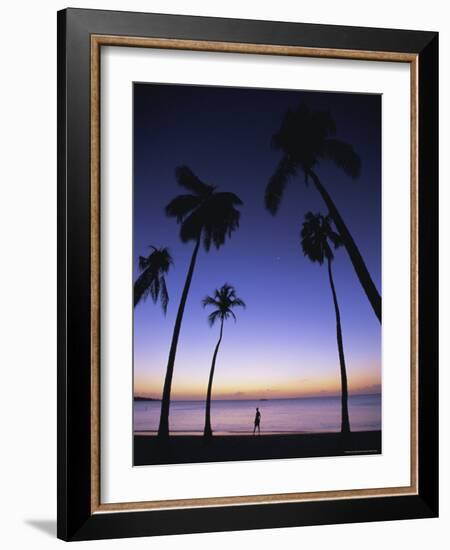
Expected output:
(181, 449)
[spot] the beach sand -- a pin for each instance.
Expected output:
(181, 449)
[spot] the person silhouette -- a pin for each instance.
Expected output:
(257, 422)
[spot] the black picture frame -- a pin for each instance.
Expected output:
(76, 521)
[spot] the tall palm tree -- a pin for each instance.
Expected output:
(223, 300)
(318, 240)
(305, 137)
(151, 281)
(205, 216)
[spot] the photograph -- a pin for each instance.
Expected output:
(257, 264)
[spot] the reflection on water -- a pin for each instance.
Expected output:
(321, 414)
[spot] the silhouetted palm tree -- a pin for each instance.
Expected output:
(316, 236)
(151, 281)
(223, 300)
(207, 216)
(305, 137)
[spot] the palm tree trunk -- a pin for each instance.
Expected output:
(355, 256)
(208, 431)
(163, 430)
(345, 422)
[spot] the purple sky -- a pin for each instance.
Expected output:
(284, 342)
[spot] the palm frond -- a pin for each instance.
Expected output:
(316, 235)
(219, 218)
(165, 259)
(151, 281)
(143, 262)
(209, 301)
(205, 213)
(278, 140)
(343, 155)
(164, 295)
(277, 184)
(141, 286)
(214, 316)
(180, 206)
(223, 299)
(225, 292)
(155, 288)
(187, 179)
(322, 123)
(229, 312)
(304, 137)
(192, 226)
(226, 199)
(333, 235)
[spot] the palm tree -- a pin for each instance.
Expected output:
(223, 300)
(205, 215)
(151, 281)
(305, 137)
(316, 236)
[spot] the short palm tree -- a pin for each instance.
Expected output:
(151, 281)
(205, 216)
(318, 240)
(223, 300)
(304, 138)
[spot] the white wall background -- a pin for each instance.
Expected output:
(28, 273)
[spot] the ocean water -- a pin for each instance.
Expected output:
(308, 415)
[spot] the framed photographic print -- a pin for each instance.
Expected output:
(247, 274)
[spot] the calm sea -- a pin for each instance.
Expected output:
(321, 414)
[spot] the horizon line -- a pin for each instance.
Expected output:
(259, 398)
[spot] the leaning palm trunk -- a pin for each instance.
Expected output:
(163, 430)
(208, 431)
(345, 423)
(358, 263)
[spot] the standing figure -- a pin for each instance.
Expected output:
(257, 422)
